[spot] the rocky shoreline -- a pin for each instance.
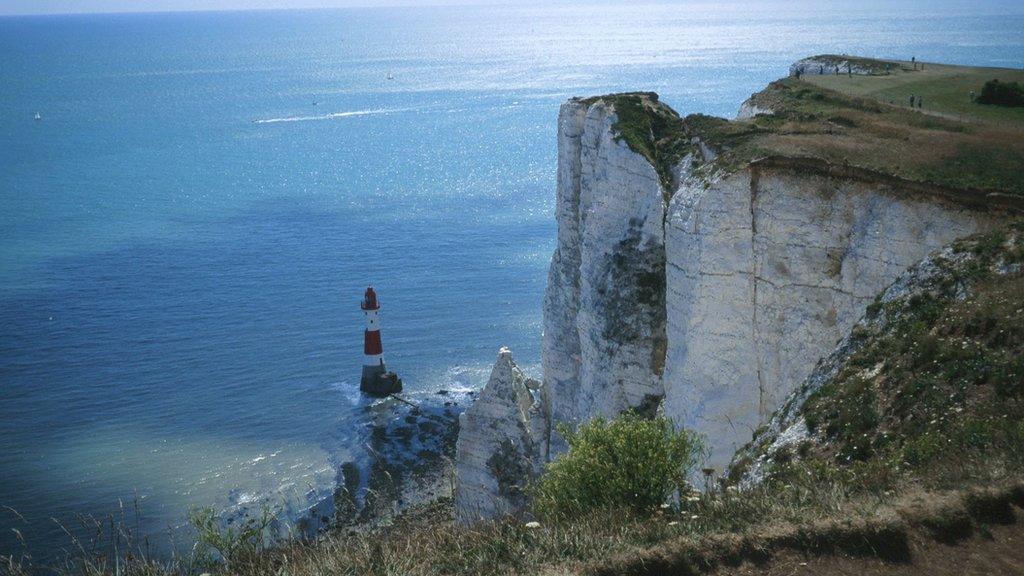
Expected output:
(404, 457)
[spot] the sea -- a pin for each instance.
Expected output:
(187, 229)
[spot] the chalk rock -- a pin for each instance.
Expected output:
(767, 269)
(604, 310)
(497, 453)
(818, 65)
(750, 108)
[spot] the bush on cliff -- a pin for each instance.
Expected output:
(1002, 94)
(626, 463)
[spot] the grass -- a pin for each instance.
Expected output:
(811, 121)
(864, 511)
(649, 128)
(885, 533)
(945, 89)
(946, 374)
(859, 121)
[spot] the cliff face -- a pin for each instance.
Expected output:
(604, 310)
(717, 296)
(953, 324)
(767, 269)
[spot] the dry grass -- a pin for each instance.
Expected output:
(886, 534)
(816, 122)
(866, 512)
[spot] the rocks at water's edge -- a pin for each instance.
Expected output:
(404, 455)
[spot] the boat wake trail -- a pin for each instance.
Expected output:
(333, 116)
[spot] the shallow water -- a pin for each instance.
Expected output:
(186, 234)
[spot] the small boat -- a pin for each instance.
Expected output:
(38, 117)
(391, 76)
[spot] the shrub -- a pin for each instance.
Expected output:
(230, 544)
(1002, 93)
(626, 463)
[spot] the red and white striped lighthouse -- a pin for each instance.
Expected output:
(376, 379)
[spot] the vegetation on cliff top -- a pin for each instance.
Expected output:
(810, 121)
(945, 89)
(861, 121)
(650, 128)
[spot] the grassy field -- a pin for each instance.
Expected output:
(945, 89)
(848, 121)
(854, 121)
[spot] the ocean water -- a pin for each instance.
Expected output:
(186, 234)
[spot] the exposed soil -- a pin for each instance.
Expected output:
(998, 550)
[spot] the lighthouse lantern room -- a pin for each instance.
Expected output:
(376, 380)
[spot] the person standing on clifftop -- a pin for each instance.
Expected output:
(911, 100)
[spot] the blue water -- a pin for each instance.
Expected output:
(185, 236)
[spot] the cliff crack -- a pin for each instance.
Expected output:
(754, 277)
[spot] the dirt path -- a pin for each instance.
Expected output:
(998, 552)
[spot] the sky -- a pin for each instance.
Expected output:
(17, 7)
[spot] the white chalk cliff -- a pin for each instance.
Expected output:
(604, 309)
(767, 269)
(719, 301)
(496, 455)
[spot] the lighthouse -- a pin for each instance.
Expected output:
(376, 380)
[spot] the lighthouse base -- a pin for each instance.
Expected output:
(377, 381)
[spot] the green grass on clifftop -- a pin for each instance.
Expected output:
(854, 121)
(865, 122)
(649, 128)
(945, 89)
